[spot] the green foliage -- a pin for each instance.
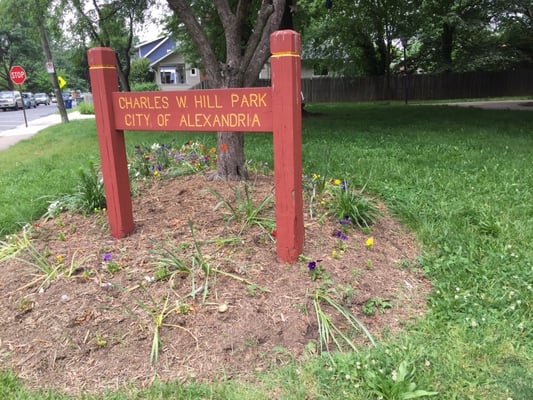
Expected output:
(46, 266)
(242, 208)
(363, 38)
(370, 306)
(85, 108)
(88, 197)
(144, 87)
(168, 261)
(140, 74)
(352, 206)
(399, 386)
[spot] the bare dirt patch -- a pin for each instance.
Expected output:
(90, 331)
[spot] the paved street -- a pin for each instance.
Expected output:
(524, 105)
(12, 119)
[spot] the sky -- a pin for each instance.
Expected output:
(151, 29)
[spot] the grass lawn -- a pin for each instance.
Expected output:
(460, 178)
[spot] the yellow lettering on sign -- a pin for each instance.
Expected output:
(220, 121)
(162, 119)
(206, 101)
(181, 101)
(248, 100)
(136, 120)
(143, 102)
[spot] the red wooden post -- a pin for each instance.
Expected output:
(104, 81)
(287, 129)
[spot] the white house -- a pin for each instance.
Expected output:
(171, 70)
(173, 73)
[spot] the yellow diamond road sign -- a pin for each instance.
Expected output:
(61, 82)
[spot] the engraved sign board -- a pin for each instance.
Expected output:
(275, 109)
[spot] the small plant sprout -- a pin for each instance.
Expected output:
(157, 312)
(100, 340)
(376, 303)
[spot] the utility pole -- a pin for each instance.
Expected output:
(53, 74)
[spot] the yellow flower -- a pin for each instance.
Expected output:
(337, 182)
(59, 258)
(369, 242)
(316, 176)
(157, 174)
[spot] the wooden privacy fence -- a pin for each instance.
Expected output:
(419, 86)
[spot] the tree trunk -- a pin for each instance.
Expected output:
(231, 160)
(448, 31)
(123, 79)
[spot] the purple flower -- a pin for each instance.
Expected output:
(341, 235)
(107, 257)
(312, 265)
(344, 185)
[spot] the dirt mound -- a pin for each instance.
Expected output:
(92, 327)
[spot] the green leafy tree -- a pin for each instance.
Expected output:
(110, 24)
(22, 33)
(472, 35)
(18, 44)
(358, 38)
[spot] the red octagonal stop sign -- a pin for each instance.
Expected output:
(17, 74)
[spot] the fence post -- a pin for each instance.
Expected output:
(287, 138)
(104, 81)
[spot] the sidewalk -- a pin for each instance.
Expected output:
(12, 136)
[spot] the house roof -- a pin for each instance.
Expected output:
(156, 50)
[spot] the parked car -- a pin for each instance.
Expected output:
(29, 100)
(10, 99)
(42, 98)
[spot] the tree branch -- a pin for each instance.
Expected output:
(265, 12)
(197, 34)
(257, 55)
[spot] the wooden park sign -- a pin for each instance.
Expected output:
(276, 109)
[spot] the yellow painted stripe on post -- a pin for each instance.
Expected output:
(103, 66)
(286, 54)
